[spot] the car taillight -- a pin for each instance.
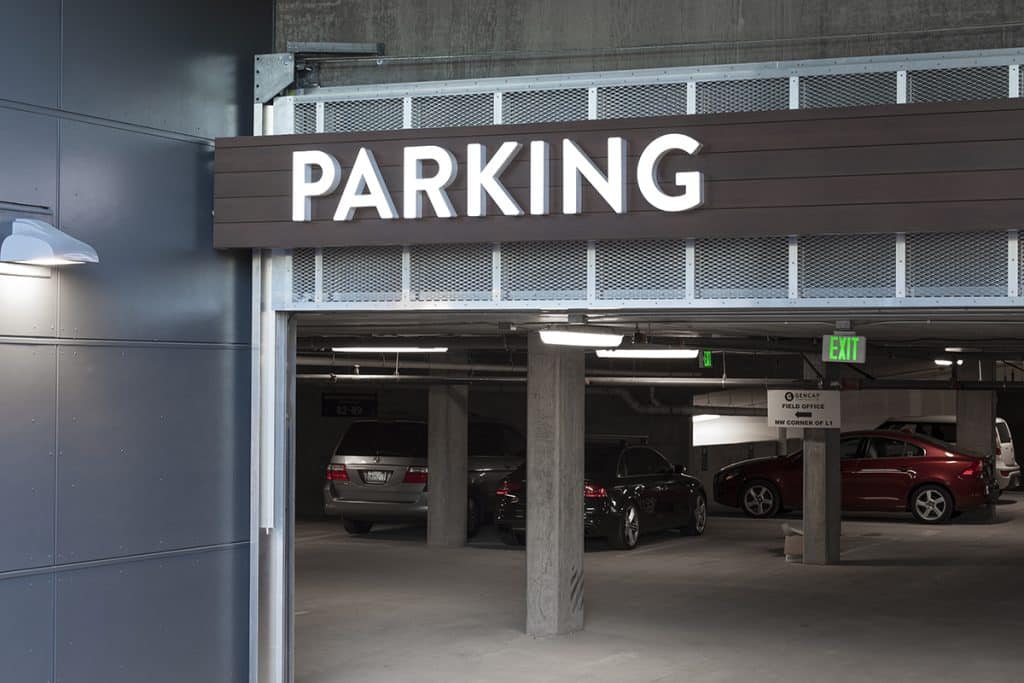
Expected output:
(337, 472)
(594, 491)
(976, 469)
(999, 448)
(509, 488)
(416, 475)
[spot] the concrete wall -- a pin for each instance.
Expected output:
(124, 386)
(480, 38)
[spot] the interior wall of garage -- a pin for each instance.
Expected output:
(124, 385)
(487, 38)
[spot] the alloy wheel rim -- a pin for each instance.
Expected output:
(702, 514)
(758, 500)
(930, 505)
(632, 526)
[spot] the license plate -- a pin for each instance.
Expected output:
(375, 477)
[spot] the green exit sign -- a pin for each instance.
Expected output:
(706, 360)
(838, 348)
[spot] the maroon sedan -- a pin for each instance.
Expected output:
(881, 471)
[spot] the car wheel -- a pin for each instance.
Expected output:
(472, 518)
(357, 526)
(931, 505)
(627, 533)
(698, 517)
(761, 499)
(512, 537)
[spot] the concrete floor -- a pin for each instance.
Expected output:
(909, 603)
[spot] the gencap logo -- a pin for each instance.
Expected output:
(789, 396)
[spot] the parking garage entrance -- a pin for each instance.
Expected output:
(636, 284)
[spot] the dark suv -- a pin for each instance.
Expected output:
(378, 472)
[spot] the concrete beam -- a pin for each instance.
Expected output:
(447, 461)
(554, 500)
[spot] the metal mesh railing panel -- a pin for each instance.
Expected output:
(756, 94)
(538, 106)
(847, 266)
(445, 111)
(640, 269)
(627, 101)
(544, 271)
(847, 90)
(450, 272)
(305, 117)
(362, 274)
(304, 275)
(952, 85)
(742, 268)
(961, 264)
(346, 116)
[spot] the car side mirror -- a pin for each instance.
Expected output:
(679, 469)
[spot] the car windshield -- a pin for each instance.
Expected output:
(600, 459)
(402, 439)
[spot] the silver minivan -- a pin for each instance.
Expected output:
(943, 427)
(378, 472)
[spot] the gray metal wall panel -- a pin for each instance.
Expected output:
(154, 446)
(28, 305)
(145, 204)
(29, 49)
(28, 174)
(160, 620)
(27, 404)
(26, 629)
(183, 66)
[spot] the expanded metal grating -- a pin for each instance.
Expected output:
(956, 264)
(363, 274)
(847, 90)
(450, 272)
(544, 271)
(847, 266)
(361, 115)
(627, 101)
(952, 85)
(649, 269)
(453, 110)
(538, 106)
(756, 94)
(305, 117)
(304, 275)
(742, 268)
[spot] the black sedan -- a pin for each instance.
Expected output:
(627, 491)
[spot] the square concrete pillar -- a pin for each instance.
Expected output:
(822, 491)
(554, 488)
(976, 411)
(447, 461)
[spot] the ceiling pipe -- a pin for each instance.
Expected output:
(346, 362)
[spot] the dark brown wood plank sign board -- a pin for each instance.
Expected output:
(922, 167)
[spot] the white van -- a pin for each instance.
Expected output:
(943, 427)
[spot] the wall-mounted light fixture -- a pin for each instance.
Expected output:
(33, 242)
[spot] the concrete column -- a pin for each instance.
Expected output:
(822, 491)
(447, 459)
(976, 411)
(554, 488)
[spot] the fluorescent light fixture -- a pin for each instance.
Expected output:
(581, 335)
(21, 270)
(954, 349)
(946, 362)
(657, 352)
(37, 243)
(390, 349)
(705, 418)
